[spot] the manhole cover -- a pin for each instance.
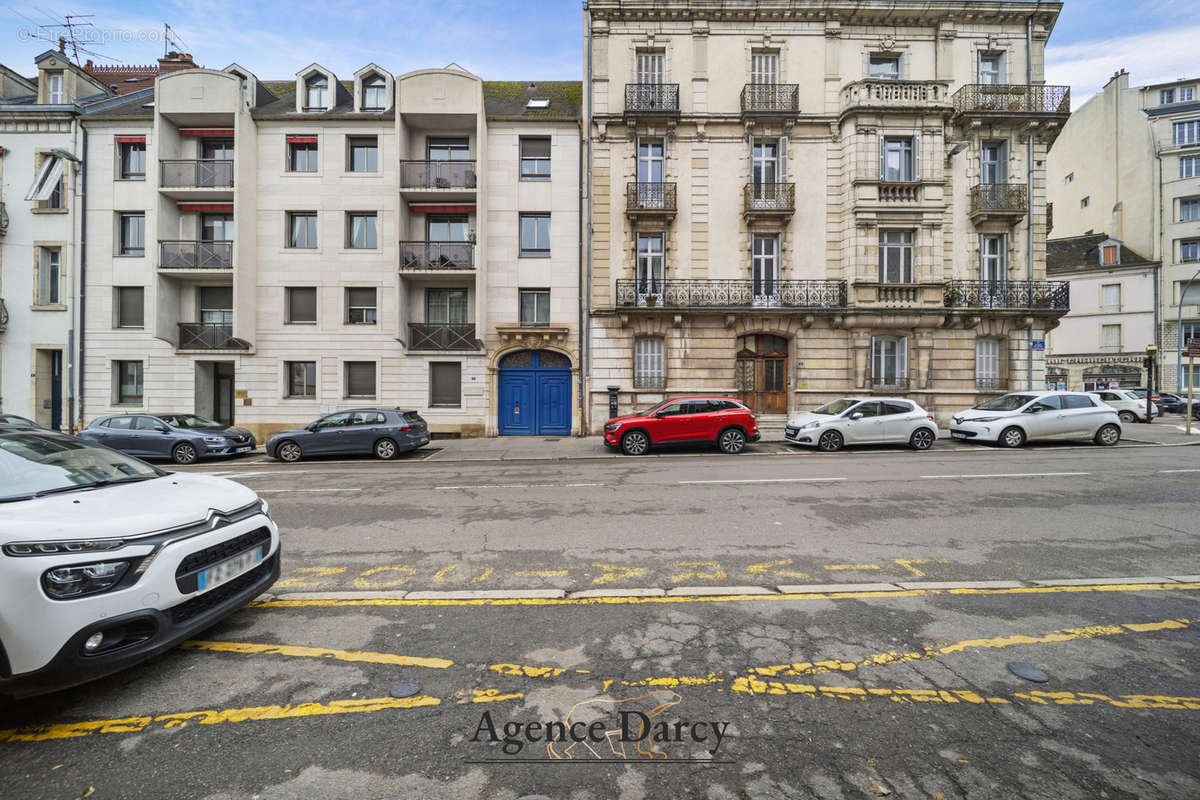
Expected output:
(405, 688)
(1027, 671)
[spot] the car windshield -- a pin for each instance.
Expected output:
(190, 421)
(1007, 402)
(37, 463)
(648, 410)
(836, 407)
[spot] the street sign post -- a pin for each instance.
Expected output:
(1193, 350)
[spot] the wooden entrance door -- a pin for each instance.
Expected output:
(761, 372)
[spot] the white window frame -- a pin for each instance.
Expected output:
(764, 67)
(993, 162)
(879, 59)
(902, 243)
(54, 93)
(651, 265)
(1189, 167)
(1106, 343)
(374, 84)
(764, 271)
(1108, 302)
(992, 76)
(649, 362)
(880, 357)
(993, 258)
(49, 276)
(313, 90)
(1189, 251)
(650, 66)
(987, 359)
(1189, 209)
(1187, 94)
(1185, 133)
(1166, 96)
(909, 168)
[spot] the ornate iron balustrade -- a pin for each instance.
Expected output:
(1050, 295)
(703, 293)
(437, 174)
(196, 173)
(649, 382)
(899, 192)
(209, 336)
(652, 98)
(882, 93)
(771, 98)
(991, 384)
(437, 255)
(649, 196)
(770, 197)
(191, 254)
(894, 382)
(999, 197)
(1013, 98)
(423, 336)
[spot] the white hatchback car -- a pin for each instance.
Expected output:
(1015, 418)
(1130, 407)
(106, 561)
(863, 420)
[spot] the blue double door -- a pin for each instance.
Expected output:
(534, 400)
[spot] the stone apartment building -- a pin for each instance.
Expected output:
(1128, 164)
(794, 201)
(264, 252)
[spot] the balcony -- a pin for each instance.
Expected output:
(889, 95)
(1003, 99)
(438, 176)
(209, 336)
(769, 200)
(1001, 201)
(196, 173)
(899, 193)
(685, 293)
(652, 99)
(192, 255)
(889, 383)
(899, 295)
(1009, 295)
(770, 99)
(650, 199)
(423, 336)
(419, 256)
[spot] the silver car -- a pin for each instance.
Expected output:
(863, 420)
(1015, 418)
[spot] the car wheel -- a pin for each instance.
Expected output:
(830, 441)
(1011, 437)
(922, 439)
(183, 453)
(635, 443)
(1127, 417)
(385, 449)
(288, 451)
(1108, 435)
(731, 441)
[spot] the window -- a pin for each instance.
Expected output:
(363, 155)
(889, 361)
(1085, 202)
(1191, 331)
(649, 67)
(649, 367)
(360, 231)
(898, 159)
(993, 255)
(133, 160)
(1187, 94)
(991, 68)
(447, 228)
(441, 148)
(1110, 254)
(535, 306)
(216, 305)
(300, 305)
(1189, 209)
(302, 153)
(993, 158)
(129, 303)
(360, 379)
(1190, 297)
(302, 229)
(895, 256)
(884, 67)
(535, 235)
(48, 273)
(133, 234)
(1166, 96)
(316, 93)
(446, 306)
(535, 159)
(1189, 167)
(650, 266)
(120, 423)
(1070, 177)
(1110, 297)
(374, 93)
(1187, 133)
(987, 363)
(1110, 338)
(1186, 380)
(1189, 250)
(302, 378)
(764, 67)
(360, 306)
(127, 382)
(650, 168)
(54, 85)
(445, 383)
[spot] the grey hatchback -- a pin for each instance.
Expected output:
(386, 433)
(183, 438)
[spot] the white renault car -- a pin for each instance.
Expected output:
(106, 561)
(1130, 407)
(1015, 418)
(863, 420)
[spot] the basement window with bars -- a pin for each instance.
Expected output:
(987, 363)
(649, 363)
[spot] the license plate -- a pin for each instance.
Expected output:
(242, 449)
(228, 570)
(957, 435)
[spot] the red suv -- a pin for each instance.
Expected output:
(684, 419)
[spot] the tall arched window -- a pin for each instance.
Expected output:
(316, 92)
(649, 363)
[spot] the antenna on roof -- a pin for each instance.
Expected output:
(171, 37)
(68, 34)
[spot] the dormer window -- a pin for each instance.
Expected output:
(374, 93)
(316, 93)
(1166, 97)
(1110, 254)
(54, 88)
(247, 97)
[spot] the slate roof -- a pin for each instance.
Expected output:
(1082, 254)
(509, 98)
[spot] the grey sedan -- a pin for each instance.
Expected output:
(386, 433)
(183, 438)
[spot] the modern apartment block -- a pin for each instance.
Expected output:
(265, 252)
(1128, 163)
(791, 202)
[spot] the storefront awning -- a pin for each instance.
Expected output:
(206, 131)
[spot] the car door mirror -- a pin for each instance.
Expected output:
(163, 429)
(660, 414)
(856, 415)
(1034, 409)
(311, 427)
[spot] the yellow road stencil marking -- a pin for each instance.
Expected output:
(703, 570)
(616, 572)
(773, 568)
(297, 651)
(306, 577)
(907, 563)
(544, 573)
(841, 567)
(488, 696)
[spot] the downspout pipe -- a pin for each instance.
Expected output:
(1029, 183)
(585, 290)
(82, 312)
(582, 220)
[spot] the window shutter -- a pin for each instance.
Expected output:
(782, 169)
(902, 357)
(1003, 257)
(751, 158)
(916, 144)
(882, 158)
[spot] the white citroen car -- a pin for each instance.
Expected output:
(1129, 405)
(106, 561)
(1015, 418)
(863, 420)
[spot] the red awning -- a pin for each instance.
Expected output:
(131, 139)
(206, 131)
(206, 207)
(302, 140)
(439, 208)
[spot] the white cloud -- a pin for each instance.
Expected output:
(1150, 57)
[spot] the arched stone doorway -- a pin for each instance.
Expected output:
(534, 394)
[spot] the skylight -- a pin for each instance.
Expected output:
(538, 102)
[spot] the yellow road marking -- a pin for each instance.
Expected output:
(772, 568)
(704, 570)
(440, 575)
(858, 567)
(306, 577)
(543, 573)
(907, 563)
(405, 571)
(297, 651)
(488, 696)
(616, 572)
(483, 576)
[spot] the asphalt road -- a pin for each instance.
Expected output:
(829, 694)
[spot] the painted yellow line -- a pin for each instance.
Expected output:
(297, 651)
(487, 696)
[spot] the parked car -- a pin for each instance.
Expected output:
(386, 433)
(863, 420)
(106, 560)
(1129, 405)
(723, 420)
(1171, 403)
(1015, 418)
(13, 419)
(183, 438)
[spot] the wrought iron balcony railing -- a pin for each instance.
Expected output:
(196, 173)
(209, 336)
(1048, 295)
(644, 196)
(652, 98)
(423, 336)
(770, 197)
(191, 254)
(990, 384)
(889, 382)
(771, 98)
(437, 174)
(999, 198)
(1013, 98)
(649, 382)
(437, 255)
(677, 293)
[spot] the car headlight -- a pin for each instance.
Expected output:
(55, 548)
(811, 425)
(65, 583)
(264, 507)
(215, 439)
(612, 426)
(983, 419)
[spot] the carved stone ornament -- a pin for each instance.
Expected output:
(887, 43)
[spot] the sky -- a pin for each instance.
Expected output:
(519, 39)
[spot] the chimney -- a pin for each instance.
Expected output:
(62, 45)
(173, 62)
